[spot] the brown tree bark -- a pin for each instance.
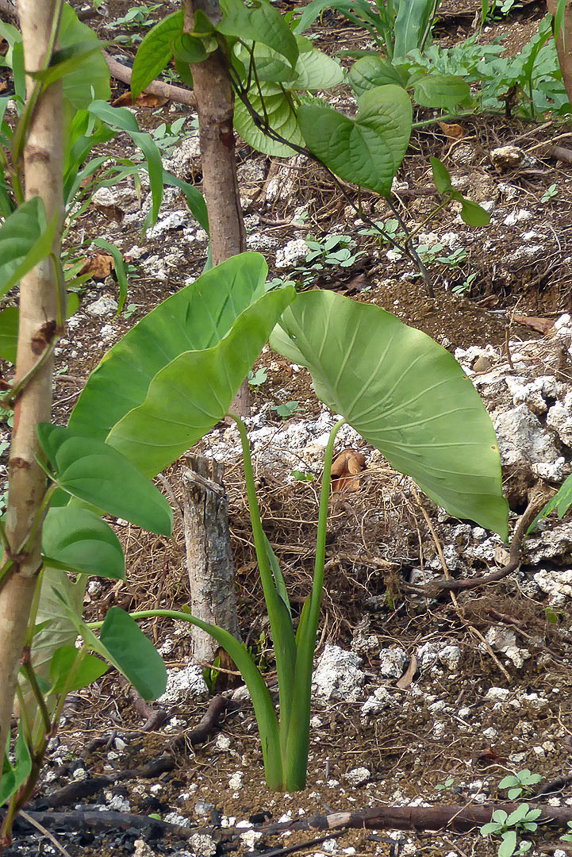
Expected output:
(37, 327)
(564, 44)
(215, 106)
(212, 590)
(209, 558)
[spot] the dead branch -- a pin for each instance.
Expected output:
(458, 818)
(156, 87)
(432, 590)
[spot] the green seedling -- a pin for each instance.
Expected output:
(446, 785)
(465, 286)
(256, 379)
(286, 410)
(167, 137)
(519, 783)
(301, 476)
(567, 837)
(549, 193)
(510, 827)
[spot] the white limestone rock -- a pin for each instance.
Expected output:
(522, 439)
(338, 675)
(184, 684)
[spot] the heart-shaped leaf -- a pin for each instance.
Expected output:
(444, 91)
(281, 118)
(194, 391)
(259, 23)
(405, 395)
(133, 653)
(79, 541)
(368, 150)
(155, 51)
(99, 475)
(371, 71)
(196, 317)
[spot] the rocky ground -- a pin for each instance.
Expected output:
(420, 697)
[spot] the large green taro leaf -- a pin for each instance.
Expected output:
(405, 395)
(196, 317)
(195, 390)
(367, 150)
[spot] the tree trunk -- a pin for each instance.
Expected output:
(215, 107)
(209, 559)
(564, 44)
(211, 576)
(37, 327)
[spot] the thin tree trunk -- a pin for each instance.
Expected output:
(212, 586)
(564, 44)
(215, 106)
(209, 558)
(27, 482)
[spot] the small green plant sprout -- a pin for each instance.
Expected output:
(168, 137)
(552, 613)
(211, 674)
(390, 230)
(129, 310)
(509, 828)
(567, 837)
(446, 785)
(465, 286)
(286, 410)
(519, 783)
(431, 253)
(333, 250)
(137, 16)
(256, 379)
(301, 476)
(549, 193)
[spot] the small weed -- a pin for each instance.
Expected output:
(256, 379)
(549, 193)
(465, 286)
(301, 476)
(567, 837)
(286, 410)
(446, 785)
(509, 828)
(168, 137)
(135, 17)
(332, 251)
(211, 674)
(431, 253)
(129, 310)
(390, 229)
(519, 783)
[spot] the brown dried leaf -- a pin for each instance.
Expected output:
(344, 470)
(407, 677)
(489, 756)
(542, 325)
(99, 266)
(451, 132)
(144, 99)
(112, 212)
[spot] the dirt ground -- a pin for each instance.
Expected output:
(443, 737)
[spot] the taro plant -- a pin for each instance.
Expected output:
(173, 377)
